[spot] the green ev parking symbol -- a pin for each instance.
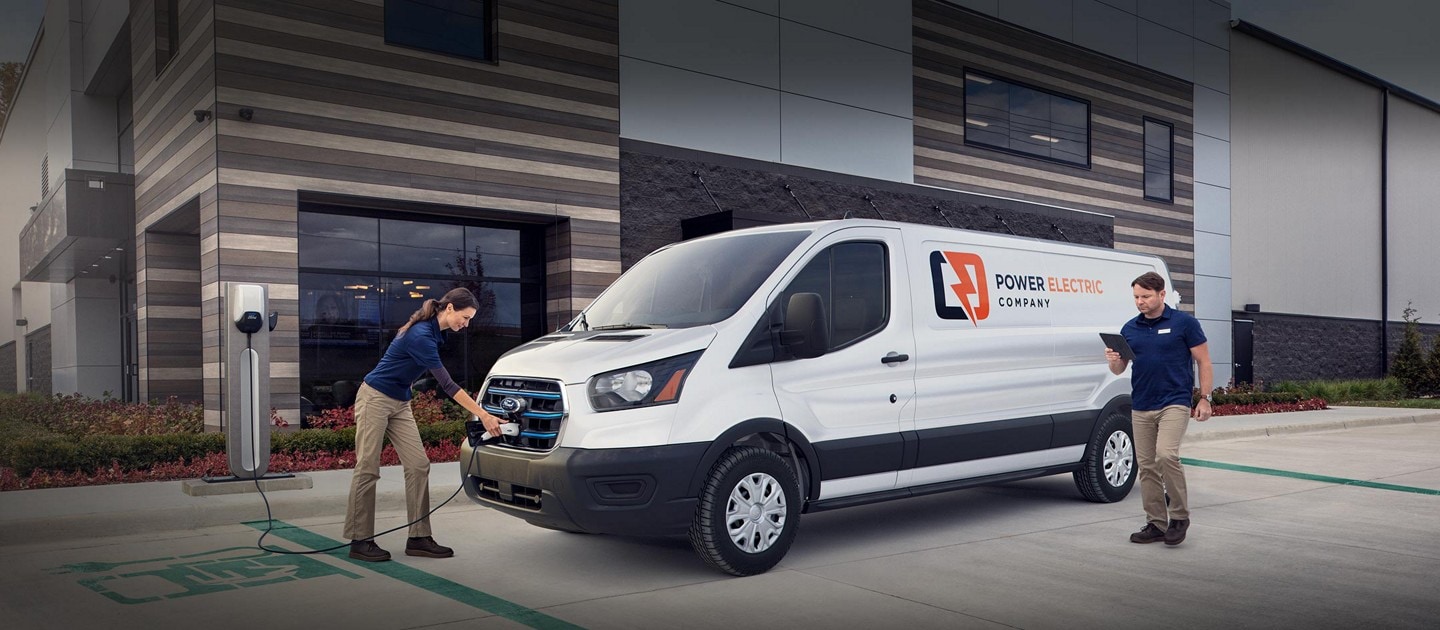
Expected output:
(156, 579)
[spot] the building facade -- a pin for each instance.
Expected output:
(358, 156)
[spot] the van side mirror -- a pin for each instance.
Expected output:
(807, 332)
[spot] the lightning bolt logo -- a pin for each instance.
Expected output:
(970, 285)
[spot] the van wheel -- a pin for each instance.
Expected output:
(1108, 471)
(749, 510)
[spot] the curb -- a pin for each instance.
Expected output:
(1310, 427)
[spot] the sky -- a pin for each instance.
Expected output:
(19, 22)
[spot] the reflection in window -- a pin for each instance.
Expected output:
(1159, 161)
(333, 241)
(417, 247)
(1010, 117)
(361, 278)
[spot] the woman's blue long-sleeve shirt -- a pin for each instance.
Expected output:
(409, 356)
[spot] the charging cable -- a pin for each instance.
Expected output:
(507, 428)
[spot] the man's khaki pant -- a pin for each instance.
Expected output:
(376, 417)
(1157, 447)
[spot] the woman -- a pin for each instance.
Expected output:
(382, 408)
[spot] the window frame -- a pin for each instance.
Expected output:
(491, 28)
(1144, 161)
(965, 106)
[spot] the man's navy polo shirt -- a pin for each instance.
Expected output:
(1163, 374)
(409, 356)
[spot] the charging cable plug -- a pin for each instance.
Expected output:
(475, 430)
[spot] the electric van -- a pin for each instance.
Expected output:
(725, 385)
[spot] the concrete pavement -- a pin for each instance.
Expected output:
(59, 514)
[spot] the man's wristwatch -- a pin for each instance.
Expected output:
(1209, 399)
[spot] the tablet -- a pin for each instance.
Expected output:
(1117, 343)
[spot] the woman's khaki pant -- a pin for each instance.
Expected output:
(1157, 449)
(378, 416)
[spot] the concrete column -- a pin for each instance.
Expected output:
(85, 337)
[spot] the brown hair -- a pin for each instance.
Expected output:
(459, 297)
(1149, 280)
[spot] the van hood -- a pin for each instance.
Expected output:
(573, 357)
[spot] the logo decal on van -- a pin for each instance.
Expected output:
(962, 293)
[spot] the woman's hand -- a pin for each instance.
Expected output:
(492, 424)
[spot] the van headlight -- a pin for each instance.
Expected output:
(654, 383)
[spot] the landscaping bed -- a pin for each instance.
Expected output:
(73, 441)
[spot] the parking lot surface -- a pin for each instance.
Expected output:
(1333, 529)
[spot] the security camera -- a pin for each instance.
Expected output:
(201, 115)
(246, 113)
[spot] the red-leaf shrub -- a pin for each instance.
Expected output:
(425, 405)
(1312, 404)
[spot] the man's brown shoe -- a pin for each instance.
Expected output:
(1176, 534)
(1150, 534)
(426, 547)
(368, 551)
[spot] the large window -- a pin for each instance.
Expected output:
(1159, 161)
(362, 276)
(1016, 118)
(463, 28)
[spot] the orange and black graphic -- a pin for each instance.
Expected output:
(970, 288)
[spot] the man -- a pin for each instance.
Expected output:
(1165, 342)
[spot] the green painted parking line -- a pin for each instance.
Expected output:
(1299, 475)
(415, 577)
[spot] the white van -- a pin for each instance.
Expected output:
(725, 385)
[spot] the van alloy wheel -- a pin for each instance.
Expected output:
(748, 511)
(1107, 473)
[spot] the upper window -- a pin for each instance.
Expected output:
(851, 280)
(1159, 161)
(463, 28)
(1020, 119)
(167, 32)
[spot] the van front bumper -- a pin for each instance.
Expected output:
(630, 491)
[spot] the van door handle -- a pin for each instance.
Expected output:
(894, 357)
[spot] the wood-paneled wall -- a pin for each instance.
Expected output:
(174, 168)
(947, 40)
(335, 111)
(532, 136)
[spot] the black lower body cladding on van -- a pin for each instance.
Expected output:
(632, 491)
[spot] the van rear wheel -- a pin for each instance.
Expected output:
(1108, 472)
(748, 513)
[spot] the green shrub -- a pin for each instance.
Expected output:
(76, 415)
(1359, 390)
(1409, 363)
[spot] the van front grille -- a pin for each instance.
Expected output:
(544, 411)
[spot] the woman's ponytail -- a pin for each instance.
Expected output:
(460, 298)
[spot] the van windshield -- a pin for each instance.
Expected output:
(691, 284)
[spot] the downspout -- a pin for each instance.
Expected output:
(1384, 232)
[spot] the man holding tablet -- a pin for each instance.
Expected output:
(1167, 345)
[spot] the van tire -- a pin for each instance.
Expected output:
(746, 471)
(1113, 445)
